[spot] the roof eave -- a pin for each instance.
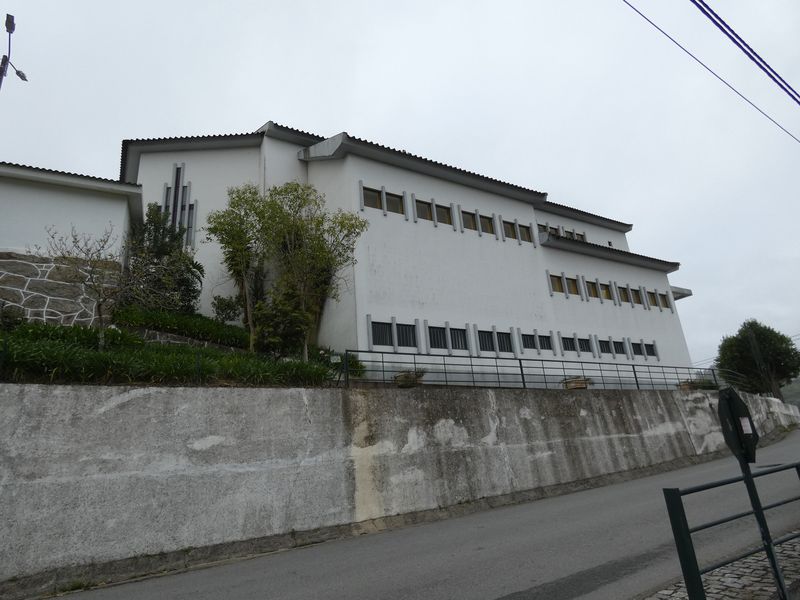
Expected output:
(629, 258)
(342, 144)
(574, 213)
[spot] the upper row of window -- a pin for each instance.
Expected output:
(430, 211)
(627, 294)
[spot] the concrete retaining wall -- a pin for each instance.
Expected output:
(96, 474)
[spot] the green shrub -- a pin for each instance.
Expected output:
(85, 337)
(189, 325)
(26, 359)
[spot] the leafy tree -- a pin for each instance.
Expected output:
(310, 248)
(239, 230)
(285, 240)
(162, 273)
(761, 357)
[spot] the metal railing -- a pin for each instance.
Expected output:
(692, 573)
(406, 369)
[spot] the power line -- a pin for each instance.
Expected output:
(707, 68)
(746, 49)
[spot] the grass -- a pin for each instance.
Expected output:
(54, 354)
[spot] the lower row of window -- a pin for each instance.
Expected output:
(437, 336)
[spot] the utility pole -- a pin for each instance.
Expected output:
(6, 60)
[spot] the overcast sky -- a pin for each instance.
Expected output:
(579, 98)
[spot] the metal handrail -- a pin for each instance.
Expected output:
(492, 371)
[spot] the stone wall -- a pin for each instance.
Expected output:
(144, 479)
(40, 289)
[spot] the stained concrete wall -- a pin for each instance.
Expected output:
(96, 474)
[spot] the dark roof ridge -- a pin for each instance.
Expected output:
(68, 173)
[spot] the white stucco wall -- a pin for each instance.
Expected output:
(418, 271)
(211, 173)
(27, 208)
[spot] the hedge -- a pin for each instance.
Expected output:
(193, 326)
(53, 360)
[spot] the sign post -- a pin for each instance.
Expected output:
(742, 438)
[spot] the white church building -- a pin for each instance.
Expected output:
(453, 263)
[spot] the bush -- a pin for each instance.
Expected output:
(85, 337)
(193, 326)
(53, 358)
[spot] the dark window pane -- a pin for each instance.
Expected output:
(487, 224)
(458, 339)
(554, 231)
(652, 300)
(469, 220)
(605, 347)
(509, 230)
(372, 198)
(528, 341)
(557, 283)
(542, 228)
(637, 296)
(584, 344)
(637, 349)
(438, 337)
(486, 341)
(591, 287)
(572, 285)
(650, 349)
(619, 347)
(580, 237)
(569, 235)
(504, 342)
(664, 300)
(443, 215)
(623, 294)
(605, 290)
(525, 233)
(394, 203)
(382, 334)
(407, 335)
(545, 343)
(424, 210)
(568, 344)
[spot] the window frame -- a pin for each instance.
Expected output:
(484, 335)
(376, 326)
(568, 344)
(557, 283)
(456, 339)
(444, 209)
(390, 197)
(490, 230)
(428, 207)
(371, 191)
(405, 328)
(525, 234)
(470, 215)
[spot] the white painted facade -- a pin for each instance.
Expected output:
(32, 199)
(417, 272)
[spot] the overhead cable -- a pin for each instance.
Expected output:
(746, 49)
(707, 68)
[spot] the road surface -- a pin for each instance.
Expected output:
(610, 543)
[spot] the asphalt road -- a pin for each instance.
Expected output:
(609, 543)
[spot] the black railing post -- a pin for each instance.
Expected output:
(522, 374)
(635, 378)
(346, 367)
(714, 375)
(766, 538)
(444, 370)
(683, 543)
(383, 369)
